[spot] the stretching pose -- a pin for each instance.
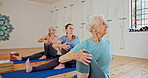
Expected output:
(48, 52)
(97, 46)
(66, 42)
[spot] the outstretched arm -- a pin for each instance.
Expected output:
(43, 39)
(58, 44)
(78, 56)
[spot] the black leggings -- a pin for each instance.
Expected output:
(49, 52)
(54, 63)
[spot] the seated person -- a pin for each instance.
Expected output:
(66, 42)
(49, 51)
(97, 46)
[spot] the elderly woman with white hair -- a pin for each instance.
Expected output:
(97, 65)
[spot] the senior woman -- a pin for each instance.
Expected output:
(49, 51)
(97, 46)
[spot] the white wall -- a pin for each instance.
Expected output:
(124, 43)
(30, 20)
(71, 14)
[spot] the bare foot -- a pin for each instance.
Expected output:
(17, 57)
(28, 66)
(60, 66)
(43, 57)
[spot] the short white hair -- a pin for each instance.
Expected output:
(94, 20)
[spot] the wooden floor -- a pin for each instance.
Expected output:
(121, 66)
(4, 53)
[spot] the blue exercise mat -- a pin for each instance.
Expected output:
(36, 60)
(38, 74)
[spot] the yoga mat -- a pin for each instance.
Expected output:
(38, 74)
(35, 60)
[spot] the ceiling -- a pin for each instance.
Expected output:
(45, 1)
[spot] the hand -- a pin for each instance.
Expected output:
(82, 57)
(43, 57)
(66, 47)
(46, 42)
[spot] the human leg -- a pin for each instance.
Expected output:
(50, 51)
(34, 56)
(46, 66)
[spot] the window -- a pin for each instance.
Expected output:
(139, 15)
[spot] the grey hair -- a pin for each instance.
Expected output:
(94, 21)
(52, 27)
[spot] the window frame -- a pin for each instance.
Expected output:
(135, 26)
